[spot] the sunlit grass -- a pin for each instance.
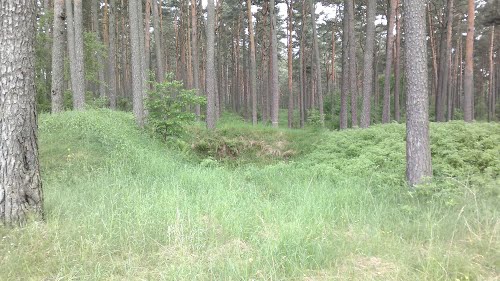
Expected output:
(122, 206)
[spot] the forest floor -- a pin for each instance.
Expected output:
(254, 203)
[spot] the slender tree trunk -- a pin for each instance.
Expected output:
(397, 66)
(353, 73)
(136, 52)
(20, 184)
(58, 57)
(345, 68)
(147, 37)
(434, 52)
(302, 106)
(368, 63)
(317, 62)
(112, 57)
(491, 90)
(160, 70)
(333, 76)
(386, 113)
(418, 152)
(444, 57)
(211, 115)
(469, 65)
(290, 65)
(194, 53)
(274, 68)
(100, 58)
(253, 64)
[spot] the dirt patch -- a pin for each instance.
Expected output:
(367, 268)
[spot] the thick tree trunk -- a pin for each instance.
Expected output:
(20, 184)
(211, 115)
(386, 113)
(317, 62)
(79, 88)
(275, 91)
(469, 65)
(418, 152)
(58, 57)
(147, 37)
(253, 64)
(112, 57)
(368, 64)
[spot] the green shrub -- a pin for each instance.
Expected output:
(169, 106)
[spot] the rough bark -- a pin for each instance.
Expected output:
(20, 184)
(274, 68)
(418, 153)
(317, 62)
(211, 118)
(368, 64)
(469, 67)
(147, 37)
(386, 113)
(135, 63)
(194, 53)
(79, 72)
(444, 66)
(160, 69)
(302, 107)
(491, 90)
(57, 91)
(253, 64)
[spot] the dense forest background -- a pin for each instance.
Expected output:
(173, 41)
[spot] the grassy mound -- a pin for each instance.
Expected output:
(122, 206)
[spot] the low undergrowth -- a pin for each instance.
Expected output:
(121, 205)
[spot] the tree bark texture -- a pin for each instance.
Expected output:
(418, 153)
(344, 94)
(136, 64)
(20, 184)
(275, 92)
(469, 65)
(211, 114)
(386, 113)
(57, 91)
(253, 64)
(353, 73)
(112, 56)
(368, 64)
(79, 69)
(317, 62)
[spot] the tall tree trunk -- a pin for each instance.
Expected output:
(332, 74)
(386, 113)
(136, 52)
(469, 65)
(58, 57)
(344, 94)
(491, 90)
(100, 59)
(75, 47)
(290, 65)
(20, 184)
(444, 58)
(194, 53)
(317, 62)
(418, 152)
(211, 66)
(397, 66)
(160, 69)
(274, 68)
(353, 73)
(368, 63)
(112, 57)
(434, 52)
(253, 64)
(147, 37)
(302, 106)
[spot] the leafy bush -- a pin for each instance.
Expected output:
(168, 106)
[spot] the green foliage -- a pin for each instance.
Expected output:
(314, 119)
(120, 206)
(168, 108)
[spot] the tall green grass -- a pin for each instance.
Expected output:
(123, 206)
